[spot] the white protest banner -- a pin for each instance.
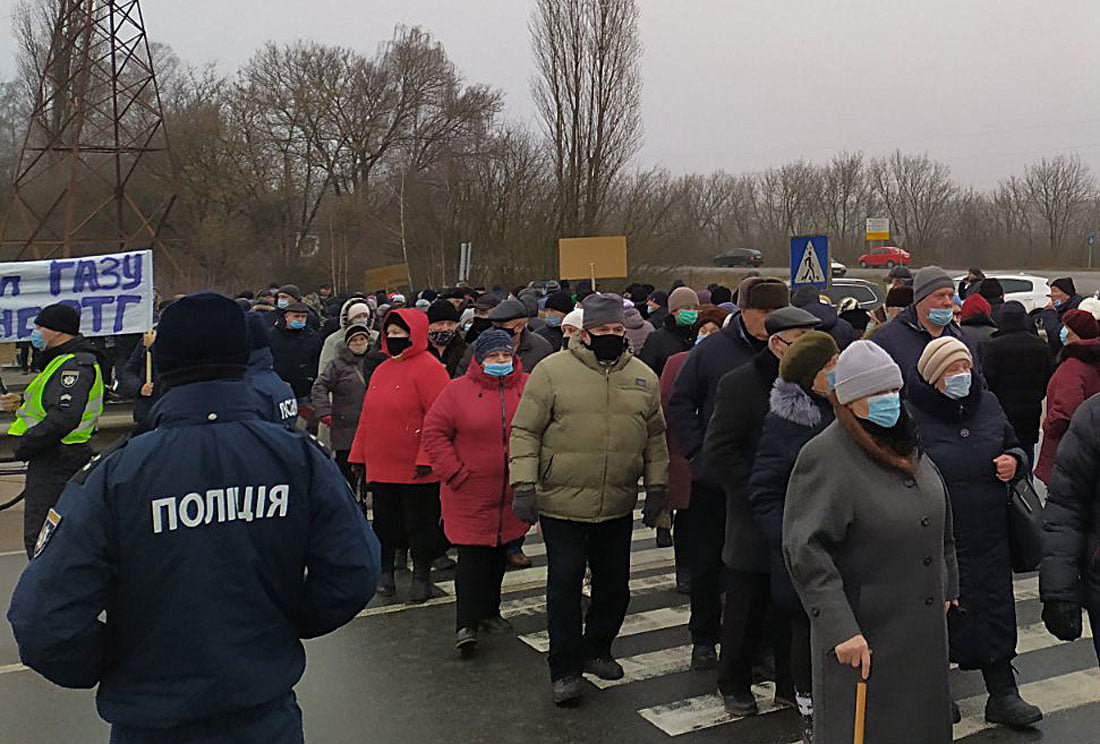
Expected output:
(114, 293)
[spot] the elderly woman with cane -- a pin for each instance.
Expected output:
(867, 538)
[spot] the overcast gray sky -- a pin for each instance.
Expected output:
(984, 85)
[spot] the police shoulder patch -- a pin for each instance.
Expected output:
(70, 377)
(53, 519)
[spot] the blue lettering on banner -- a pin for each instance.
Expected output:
(113, 293)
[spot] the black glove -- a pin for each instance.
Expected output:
(656, 503)
(1063, 620)
(525, 505)
(423, 471)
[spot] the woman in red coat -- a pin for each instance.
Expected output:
(1076, 380)
(387, 442)
(466, 441)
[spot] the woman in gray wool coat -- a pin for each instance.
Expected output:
(867, 538)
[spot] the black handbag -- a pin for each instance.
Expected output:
(1025, 526)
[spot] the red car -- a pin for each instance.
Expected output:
(888, 256)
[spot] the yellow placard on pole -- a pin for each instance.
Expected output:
(387, 277)
(878, 228)
(591, 258)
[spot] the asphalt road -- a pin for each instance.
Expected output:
(392, 676)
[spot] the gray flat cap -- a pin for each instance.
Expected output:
(508, 310)
(786, 318)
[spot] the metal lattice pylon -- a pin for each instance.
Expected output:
(95, 173)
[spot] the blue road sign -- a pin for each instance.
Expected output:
(810, 265)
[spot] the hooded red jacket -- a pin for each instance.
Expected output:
(401, 391)
(466, 440)
(1076, 380)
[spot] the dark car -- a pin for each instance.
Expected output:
(868, 294)
(740, 257)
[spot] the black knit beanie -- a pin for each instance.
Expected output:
(60, 317)
(204, 336)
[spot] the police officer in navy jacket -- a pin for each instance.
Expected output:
(215, 543)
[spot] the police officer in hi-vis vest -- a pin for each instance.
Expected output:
(57, 413)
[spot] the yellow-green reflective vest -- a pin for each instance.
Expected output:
(32, 412)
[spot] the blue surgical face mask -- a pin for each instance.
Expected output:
(1064, 335)
(884, 410)
(498, 369)
(941, 316)
(957, 386)
(37, 341)
(296, 325)
(700, 338)
(554, 321)
(831, 377)
(282, 303)
(1057, 303)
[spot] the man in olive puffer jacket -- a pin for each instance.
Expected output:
(588, 427)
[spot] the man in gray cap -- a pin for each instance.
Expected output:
(929, 317)
(741, 403)
(511, 315)
(588, 427)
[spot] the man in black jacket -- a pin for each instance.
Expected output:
(296, 348)
(558, 305)
(1063, 298)
(740, 406)
(676, 334)
(690, 409)
(1069, 577)
(1016, 366)
(444, 342)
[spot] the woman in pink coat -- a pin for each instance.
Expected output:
(466, 441)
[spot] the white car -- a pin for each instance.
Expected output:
(1032, 292)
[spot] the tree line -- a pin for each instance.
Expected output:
(316, 162)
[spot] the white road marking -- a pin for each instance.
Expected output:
(648, 666)
(12, 668)
(639, 622)
(703, 712)
(1052, 695)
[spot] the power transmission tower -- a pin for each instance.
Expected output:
(95, 173)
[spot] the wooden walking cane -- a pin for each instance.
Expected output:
(861, 710)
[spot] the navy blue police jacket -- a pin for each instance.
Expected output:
(275, 399)
(214, 543)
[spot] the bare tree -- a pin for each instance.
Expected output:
(1058, 190)
(916, 192)
(588, 94)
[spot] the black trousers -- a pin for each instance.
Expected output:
(744, 620)
(605, 548)
(801, 662)
(682, 546)
(47, 475)
(708, 533)
(478, 576)
(408, 514)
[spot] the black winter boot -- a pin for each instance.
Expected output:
(1009, 709)
(421, 590)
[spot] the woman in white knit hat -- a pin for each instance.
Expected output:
(868, 541)
(965, 432)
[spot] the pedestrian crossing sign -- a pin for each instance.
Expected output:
(810, 261)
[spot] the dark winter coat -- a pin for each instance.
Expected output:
(204, 616)
(841, 330)
(553, 335)
(637, 330)
(272, 398)
(131, 379)
(532, 349)
(1070, 571)
(1052, 322)
(1016, 367)
(740, 407)
(339, 393)
(679, 469)
(296, 354)
(399, 395)
(977, 330)
(795, 417)
(962, 438)
(465, 439)
(693, 394)
(666, 341)
(1076, 380)
(904, 339)
(870, 551)
(451, 356)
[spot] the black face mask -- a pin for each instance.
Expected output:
(441, 338)
(607, 347)
(477, 327)
(397, 345)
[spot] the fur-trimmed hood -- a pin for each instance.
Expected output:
(790, 402)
